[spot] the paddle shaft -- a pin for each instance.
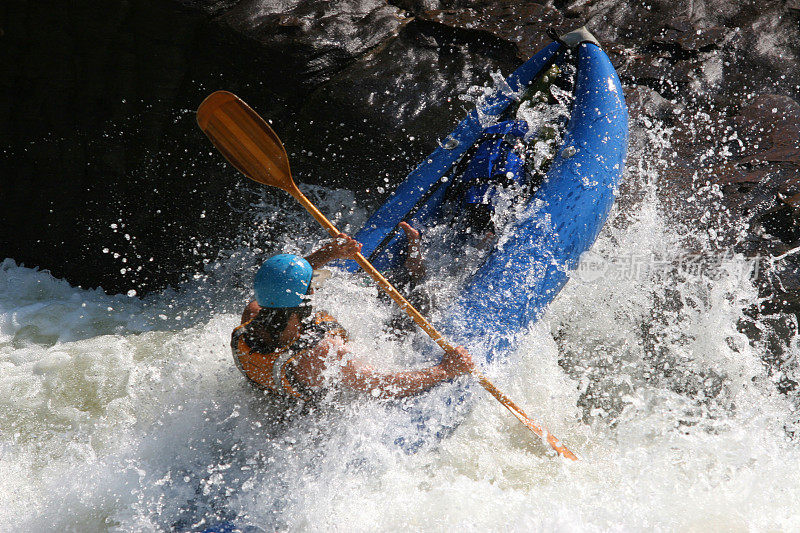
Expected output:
(373, 272)
(432, 332)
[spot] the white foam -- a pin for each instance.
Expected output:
(114, 418)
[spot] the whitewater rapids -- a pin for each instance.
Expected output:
(127, 414)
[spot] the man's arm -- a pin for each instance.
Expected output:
(342, 247)
(359, 376)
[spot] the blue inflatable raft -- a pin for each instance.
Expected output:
(541, 245)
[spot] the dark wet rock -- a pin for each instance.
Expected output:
(750, 151)
(310, 41)
(734, 72)
(770, 127)
(377, 108)
(764, 148)
(690, 39)
(680, 23)
(96, 122)
(510, 21)
(643, 100)
(97, 126)
(91, 93)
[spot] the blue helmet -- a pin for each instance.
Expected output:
(282, 281)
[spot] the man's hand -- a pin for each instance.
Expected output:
(344, 247)
(457, 362)
(413, 263)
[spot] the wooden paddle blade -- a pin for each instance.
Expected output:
(246, 140)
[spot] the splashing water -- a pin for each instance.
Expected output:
(128, 415)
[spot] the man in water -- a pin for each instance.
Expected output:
(284, 348)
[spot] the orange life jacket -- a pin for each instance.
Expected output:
(272, 371)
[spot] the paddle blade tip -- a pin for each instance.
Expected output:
(246, 140)
(568, 454)
(211, 103)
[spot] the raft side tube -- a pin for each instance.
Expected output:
(419, 182)
(563, 218)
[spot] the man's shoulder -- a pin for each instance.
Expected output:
(250, 311)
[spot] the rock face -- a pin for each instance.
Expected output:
(108, 182)
(97, 128)
(98, 152)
